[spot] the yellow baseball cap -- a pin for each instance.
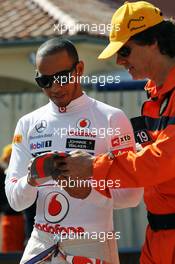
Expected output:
(6, 152)
(128, 20)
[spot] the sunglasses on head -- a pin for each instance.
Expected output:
(124, 52)
(62, 77)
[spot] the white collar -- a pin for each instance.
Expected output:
(74, 106)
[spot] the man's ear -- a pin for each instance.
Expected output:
(154, 45)
(44, 91)
(80, 68)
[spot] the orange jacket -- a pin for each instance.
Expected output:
(154, 166)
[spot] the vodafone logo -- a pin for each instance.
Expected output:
(62, 109)
(84, 260)
(83, 123)
(56, 207)
(81, 260)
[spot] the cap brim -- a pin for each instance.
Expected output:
(111, 49)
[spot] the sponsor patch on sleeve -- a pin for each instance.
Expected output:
(17, 139)
(121, 140)
(118, 152)
(13, 179)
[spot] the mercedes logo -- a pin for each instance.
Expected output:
(41, 126)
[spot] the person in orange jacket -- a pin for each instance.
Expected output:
(144, 43)
(12, 222)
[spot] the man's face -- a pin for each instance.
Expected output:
(60, 93)
(138, 62)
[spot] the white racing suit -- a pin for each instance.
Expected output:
(84, 124)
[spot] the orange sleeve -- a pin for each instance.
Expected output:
(153, 165)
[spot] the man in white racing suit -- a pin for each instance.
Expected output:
(81, 229)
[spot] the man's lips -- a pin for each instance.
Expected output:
(130, 69)
(58, 96)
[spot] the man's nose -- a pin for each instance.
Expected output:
(56, 86)
(120, 60)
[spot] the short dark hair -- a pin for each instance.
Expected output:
(52, 46)
(163, 33)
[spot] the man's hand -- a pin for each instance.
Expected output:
(44, 167)
(30, 179)
(76, 170)
(78, 165)
(67, 171)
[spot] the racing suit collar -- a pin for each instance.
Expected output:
(159, 91)
(72, 107)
